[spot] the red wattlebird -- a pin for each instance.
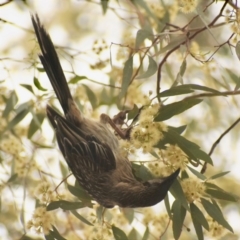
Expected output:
(90, 149)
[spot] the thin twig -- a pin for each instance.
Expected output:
(189, 37)
(218, 141)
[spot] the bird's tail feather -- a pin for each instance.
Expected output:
(52, 66)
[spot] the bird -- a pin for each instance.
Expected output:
(90, 147)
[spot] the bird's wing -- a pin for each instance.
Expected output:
(79, 149)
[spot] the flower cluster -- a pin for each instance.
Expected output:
(45, 193)
(157, 223)
(41, 221)
(215, 229)
(235, 27)
(187, 6)
(193, 189)
(148, 133)
(174, 157)
(12, 146)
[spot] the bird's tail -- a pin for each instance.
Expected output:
(52, 66)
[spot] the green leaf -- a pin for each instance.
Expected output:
(190, 148)
(237, 49)
(174, 43)
(179, 214)
(41, 69)
(64, 169)
(12, 178)
(222, 195)
(127, 76)
(133, 112)
(219, 175)
(79, 192)
(172, 109)
(183, 67)
(128, 214)
(76, 79)
(202, 88)
(81, 218)
(198, 229)
(65, 205)
(35, 124)
(28, 87)
(38, 85)
(233, 77)
(177, 192)
(146, 234)
(143, 5)
(214, 212)
(167, 205)
(99, 212)
(104, 4)
(11, 102)
(152, 68)
(141, 172)
(175, 91)
(184, 89)
(142, 34)
(198, 174)
(215, 187)
(179, 130)
(39, 145)
(134, 234)
(49, 236)
(18, 118)
(119, 234)
(91, 96)
(197, 215)
(54, 235)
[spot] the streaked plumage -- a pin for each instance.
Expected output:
(90, 149)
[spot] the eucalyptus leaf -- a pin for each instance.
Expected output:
(119, 234)
(10, 104)
(221, 195)
(128, 214)
(179, 214)
(198, 229)
(38, 85)
(35, 123)
(134, 234)
(127, 76)
(198, 216)
(167, 205)
(65, 205)
(79, 192)
(28, 87)
(152, 68)
(172, 109)
(142, 34)
(76, 79)
(190, 148)
(81, 218)
(91, 96)
(146, 234)
(177, 192)
(219, 175)
(18, 118)
(196, 173)
(215, 213)
(104, 4)
(54, 235)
